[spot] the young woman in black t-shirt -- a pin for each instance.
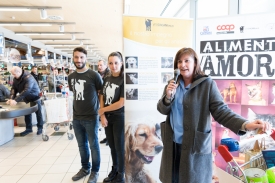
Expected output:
(111, 113)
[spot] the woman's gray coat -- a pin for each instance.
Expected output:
(202, 99)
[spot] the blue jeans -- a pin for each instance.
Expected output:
(39, 118)
(87, 131)
(115, 136)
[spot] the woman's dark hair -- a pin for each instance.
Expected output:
(119, 55)
(80, 49)
(192, 53)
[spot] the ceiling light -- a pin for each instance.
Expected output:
(43, 14)
(47, 33)
(14, 9)
(53, 39)
(61, 28)
(40, 33)
(36, 24)
(73, 37)
(60, 45)
(9, 24)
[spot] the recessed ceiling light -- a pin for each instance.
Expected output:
(61, 28)
(73, 37)
(43, 14)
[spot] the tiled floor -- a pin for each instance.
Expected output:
(29, 159)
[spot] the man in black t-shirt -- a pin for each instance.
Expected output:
(85, 85)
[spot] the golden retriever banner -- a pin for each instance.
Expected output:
(150, 45)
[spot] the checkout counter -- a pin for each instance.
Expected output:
(7, 115)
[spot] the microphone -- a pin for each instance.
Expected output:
(176, 74)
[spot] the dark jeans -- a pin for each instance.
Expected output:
(39, 118)
(87, 131)
(115, 136)
(176, 162)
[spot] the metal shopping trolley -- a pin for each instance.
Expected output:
(59, 112)
(235, 169)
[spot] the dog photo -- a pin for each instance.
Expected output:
(131, 94)
(166, 76)
(166, 62)
(131, 78)
(230, 90)
(131, 62)
(142, 144)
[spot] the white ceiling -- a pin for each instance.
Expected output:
(99, 20)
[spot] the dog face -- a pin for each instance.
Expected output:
(232, 85)
(143, 141)
(132, 62)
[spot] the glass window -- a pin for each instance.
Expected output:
(212, 8)
(256, 6)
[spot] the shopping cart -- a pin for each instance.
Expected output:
(235, 169)
(59, 113)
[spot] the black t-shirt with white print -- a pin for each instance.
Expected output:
(112, 91)
(85, 87)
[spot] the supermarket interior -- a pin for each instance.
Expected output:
(53, 54)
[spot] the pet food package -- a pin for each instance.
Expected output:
(256, 151)
(269, 157)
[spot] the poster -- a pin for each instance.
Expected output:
(150, 45)
(238, 52)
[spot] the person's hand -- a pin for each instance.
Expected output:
(8, 102)
(171, 89)
(101, 111)
(104, 121)
(13, 102)
(258, 124)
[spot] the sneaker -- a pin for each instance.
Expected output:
(103, 141)
(93, 177)
(111, 175)
(39, 132)
(119, 178)
(26, 132)
(82, 173)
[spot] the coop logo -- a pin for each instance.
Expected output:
(225, 29)
(244, 28)
(148, 23)
(205, 31)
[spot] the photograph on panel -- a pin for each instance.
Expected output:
(255, 92)
(131, 62)
(272, 92)
(166, 62)
(166, 76)
(230, 90)
(131, 78)
(142, 144)
(131, 94)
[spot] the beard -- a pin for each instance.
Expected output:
(81, 67)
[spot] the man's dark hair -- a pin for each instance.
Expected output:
(34, 67)
(80, 49)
